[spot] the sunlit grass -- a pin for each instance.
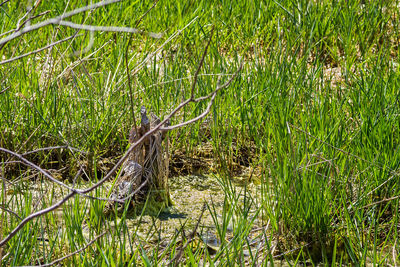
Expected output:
(317, 101)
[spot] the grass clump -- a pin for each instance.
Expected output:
(313, 119)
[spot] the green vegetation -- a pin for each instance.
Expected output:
(314, 116)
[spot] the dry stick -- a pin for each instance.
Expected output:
(34, 166)
(381, 201)
(145, 13)
(4, 90)
(77, 175)
(34, 215)
(49, 176)
(127, 65)
(52, 148)
(2, 3)
(37, 51)
(212, 96)
(93, 28)
(19, 26)
(130, 85)
(45, 173)
(66, 15)
(3, 202)
(31, 18)
(29, 10)
(9, 211)
(178, 256)
(196, 75)
(73, 253)
(151, 55)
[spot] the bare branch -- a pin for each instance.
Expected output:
(4, 90)
(34, 166)
(105, 178)
(4, 2)
(59, 20)
(220, 87)
(37, 51)
(31, 18)
(202, 115)
(151, 55)
(145, 13)
(93, 28)
(196, 75)
(52, 148)
(144, 137)
(34, 215)
(10, 211)
(29, 10)
(127, 65)
(381, 201)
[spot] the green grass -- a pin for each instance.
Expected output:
(317, 100)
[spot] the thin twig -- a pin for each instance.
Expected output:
(4, 90)
(196, 75)
(10, 211)
(34, 215)
(381, 201)
(130, 85)
(151, 55)
(59, 20)
(37, 51)
(127, 66)
(34, 166)
(31, 18)
(4, 2)
(29, 10)
(212, 96)
(52, 148)
(94, 28)
(145, 13)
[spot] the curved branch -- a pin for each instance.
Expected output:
(83, 192)
(59, 20)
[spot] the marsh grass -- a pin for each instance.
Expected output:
(317, 101)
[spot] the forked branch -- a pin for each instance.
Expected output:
(158, 127)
